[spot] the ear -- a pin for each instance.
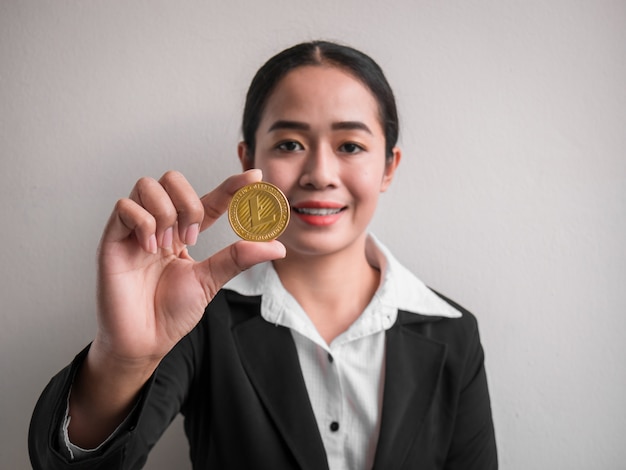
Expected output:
(390, 169)
(245, 159)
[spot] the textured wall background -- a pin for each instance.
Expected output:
(511, 196)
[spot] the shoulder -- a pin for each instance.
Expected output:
(459, 332)
(470, 320)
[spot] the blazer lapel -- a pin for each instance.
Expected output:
(413, 369)
(269, 356)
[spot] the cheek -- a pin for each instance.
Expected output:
(367, 181)
(365, 190)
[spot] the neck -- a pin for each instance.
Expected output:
(333, 289)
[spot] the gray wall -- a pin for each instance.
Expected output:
(511, 196)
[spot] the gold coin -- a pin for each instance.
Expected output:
(259, 212)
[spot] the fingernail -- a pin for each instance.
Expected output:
(191, 237)
(257, 171)
(152, 244)
(168, 237)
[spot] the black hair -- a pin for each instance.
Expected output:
(358, 64)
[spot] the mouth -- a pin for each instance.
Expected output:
(319, 211)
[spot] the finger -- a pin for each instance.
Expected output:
(217, 270)
(216, 202)
(152, 196)
(127, 218)
(186, 202)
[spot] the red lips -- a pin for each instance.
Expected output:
(318, 213)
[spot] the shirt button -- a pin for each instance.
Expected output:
(334, 426)
(330, 357)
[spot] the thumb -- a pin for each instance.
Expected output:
(220, 268)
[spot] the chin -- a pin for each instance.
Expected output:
(318, 244)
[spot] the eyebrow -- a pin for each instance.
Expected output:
(303, 126)
(351, 126)
(295, 125)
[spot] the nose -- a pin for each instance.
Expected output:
(320, 169)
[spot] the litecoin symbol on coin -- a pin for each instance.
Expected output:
(259, 212)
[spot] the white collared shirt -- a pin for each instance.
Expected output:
(345, 378)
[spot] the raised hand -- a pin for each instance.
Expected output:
(151, 292)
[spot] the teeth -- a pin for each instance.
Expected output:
(317, 211)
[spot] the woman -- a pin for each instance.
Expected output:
(324, 353)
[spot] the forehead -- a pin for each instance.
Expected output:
(321, 93)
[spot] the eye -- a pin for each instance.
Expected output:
(290, 146)
(350, 147)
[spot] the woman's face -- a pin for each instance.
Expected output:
(321, 142)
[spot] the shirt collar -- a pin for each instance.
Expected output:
(399, 288)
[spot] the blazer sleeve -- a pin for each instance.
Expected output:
(159, 402)
(473, 445)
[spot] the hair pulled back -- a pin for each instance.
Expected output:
(358, 64)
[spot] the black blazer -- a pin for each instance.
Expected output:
(237, 381)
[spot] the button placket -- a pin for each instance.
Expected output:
(335, 403)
